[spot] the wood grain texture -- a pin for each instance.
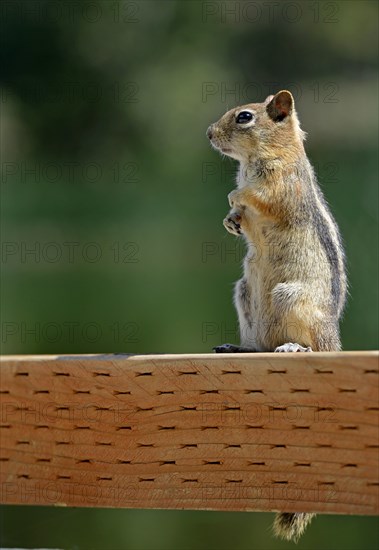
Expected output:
(290, 432)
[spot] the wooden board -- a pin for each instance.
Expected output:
(290, 432)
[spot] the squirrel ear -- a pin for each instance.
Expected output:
(268, 98)
(280, 106)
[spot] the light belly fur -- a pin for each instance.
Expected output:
(273, 305)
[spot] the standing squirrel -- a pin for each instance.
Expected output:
(293, 290)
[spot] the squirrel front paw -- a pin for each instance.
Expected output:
(232, 223)
(232, 198)
(238, 197)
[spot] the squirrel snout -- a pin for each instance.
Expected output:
(210, 131)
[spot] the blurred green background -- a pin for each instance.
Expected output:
(112, 202)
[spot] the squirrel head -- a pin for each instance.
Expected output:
(264, 131)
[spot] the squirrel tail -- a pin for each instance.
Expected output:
(291, 526)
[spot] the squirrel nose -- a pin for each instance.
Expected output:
(209, 132)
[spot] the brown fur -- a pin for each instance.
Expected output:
(294, 283)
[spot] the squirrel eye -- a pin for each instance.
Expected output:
(243, 117)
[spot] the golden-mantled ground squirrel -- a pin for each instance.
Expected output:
(293, 290)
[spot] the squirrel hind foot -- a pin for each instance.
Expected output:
(291, 526)
(292, 348)
(231, 348)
